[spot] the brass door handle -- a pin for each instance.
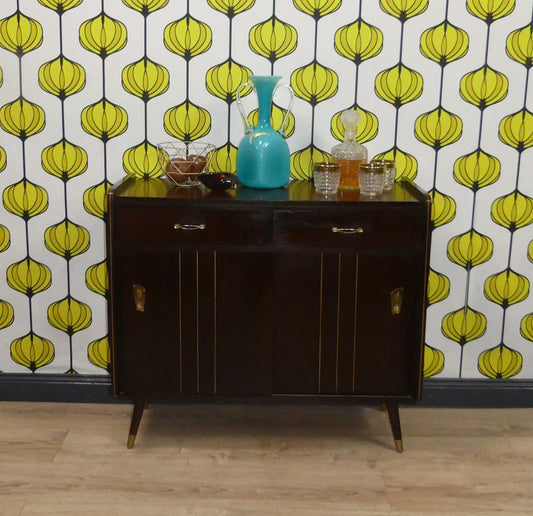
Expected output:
(139, 297)
(336, 229)
(396, 297)
(189, 227)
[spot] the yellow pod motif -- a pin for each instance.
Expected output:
(399, 85)
(404, 9)
(187, 121)
(29, 277)
(484, 87)
(64, 160)
(62, 77)
(444, 43)
(433, 361)
(145, 7)
(516, 130)
(4, 238)
(95, 199)
(103, 35)
(406, 164)
(526, 327)
(69, 315)
(60, 5)
(367, 128)
(20, 34)
(438, 287)
(7, 314)
(231, 7)
(476, 170)
(358, 41)
(32, 351)
(530, 251)
(314, 83)
(490, 10)
(506, 288)
(25, 199)
(223, 80)
(442, 208)
(470, 249)
(438, 128)
(67, 239)
(22, 118)
(188, 37)
(302, 162)
(513, 211)
(500, 362)
(142, 161)
(520, 46)
(99, 354)
(145, 79)
(224, 159)
(317, 8)
(464, 325)
(3, 159)
(273, 39)
(97, 278)
(104, 120)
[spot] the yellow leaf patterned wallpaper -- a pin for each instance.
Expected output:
(89, 87)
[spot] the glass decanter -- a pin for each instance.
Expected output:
(349, 154)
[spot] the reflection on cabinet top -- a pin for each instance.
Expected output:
(295, 193)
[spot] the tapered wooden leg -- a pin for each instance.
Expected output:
(394, 418)
(138, 408)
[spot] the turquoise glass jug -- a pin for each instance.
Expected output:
(263, 156)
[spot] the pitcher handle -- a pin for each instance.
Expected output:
(288, 111)
(247, 126)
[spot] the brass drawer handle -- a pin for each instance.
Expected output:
(336, 229)
(189, 227)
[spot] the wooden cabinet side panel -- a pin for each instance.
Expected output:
(145, 342)
(388, 344)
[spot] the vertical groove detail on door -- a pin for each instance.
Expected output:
(338, 323)
(214, 322)
(197, 327)
(179, 323)
(320, 323)
(356, 277)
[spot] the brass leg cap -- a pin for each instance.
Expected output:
(399, 445)
(131, 441)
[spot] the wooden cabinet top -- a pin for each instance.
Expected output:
(295, 193)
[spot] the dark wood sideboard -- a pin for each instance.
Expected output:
(267, 295)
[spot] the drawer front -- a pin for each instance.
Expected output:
(349, 228)
(191, 226)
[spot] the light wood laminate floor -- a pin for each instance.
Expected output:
(60, 459)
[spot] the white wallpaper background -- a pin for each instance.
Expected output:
(89, 87)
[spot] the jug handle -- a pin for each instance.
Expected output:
(247, 126)
(288, 111)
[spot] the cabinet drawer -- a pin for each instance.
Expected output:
(348, 228)
(184, 226)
